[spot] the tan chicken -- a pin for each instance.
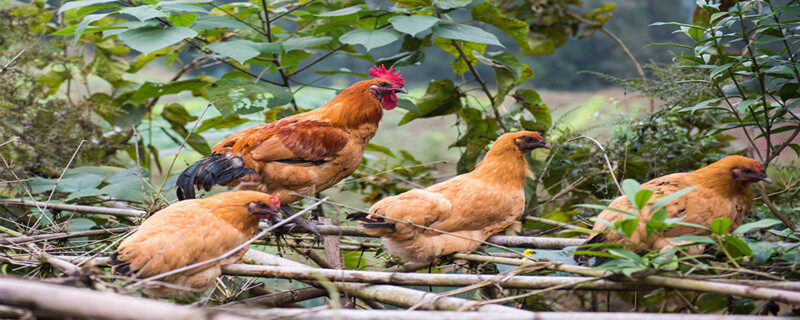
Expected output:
(475, 205)
(721, 189)
(189, 232)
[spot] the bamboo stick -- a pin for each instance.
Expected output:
(63, 235)
(349, 314)
(398, 296)
(786, 296)
(421, 279)
(76, 208)
(83, 303)
(280, 299)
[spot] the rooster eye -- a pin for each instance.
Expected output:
(384, 84)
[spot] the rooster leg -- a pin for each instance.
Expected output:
(299, 223)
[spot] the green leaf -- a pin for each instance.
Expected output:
(711, 303)
(176, 113)
(642, 197)
(213, 22)
(183, 19)
(221, 122)
(441, 97)
(83, 193)
(630, 187)
(181, 7)
(127, 188)
(149, 39)
(464, 32)
(239, 50)
(144, 12)
(626, 227)
(630, 255)
(79, 4)
(517, 29)
(413, 25)
(86, 21)
(669, 198)
(379, 148)
(152, 90)
(736, 247)
(450, 4)
(341, 12)
(370, 39)
(243, 96)
(760, 224)
(720, 225)
(693, 239)
(532, 102)
(304, 42)
(77, 183)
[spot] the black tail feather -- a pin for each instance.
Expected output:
(585, 259)
(379, 226)
(213, 169)
(119, 267)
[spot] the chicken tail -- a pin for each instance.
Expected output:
(211, 170)
(367, 223)
(586, 259)
(119, 267)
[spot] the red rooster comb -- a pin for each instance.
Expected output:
(394, 77)
(759, 166)
(275, 201)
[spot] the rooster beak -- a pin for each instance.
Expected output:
(766, 179)
(400, 90)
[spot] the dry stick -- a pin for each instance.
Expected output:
(274, 300)
(10, 62)
(234, 250)
(84, 303)
(671, 282)
(62, 235)
(77, 208)
(777, 213)
(424, 279)
(398, 296)
(306, 314)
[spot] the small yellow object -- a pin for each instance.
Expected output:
(528, 253)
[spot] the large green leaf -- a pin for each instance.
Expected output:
(450, 4)
(517, 29)
(464, 32)
(239, 50)
(221, 122)
(720, 225)
(152, 90)
(244, 96)
(370, 39)
(441, 97)
(80, 4)
(86, 21)
(144, 12)
(304, 42)
(341, 12)
(149, 39)
(532, 102)
(760, 224)
(213, 22)
(413, 25)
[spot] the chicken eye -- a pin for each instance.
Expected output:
(747, 170)
(384, 84)
(527, 139)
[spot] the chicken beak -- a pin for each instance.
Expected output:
(400, 90)
(546, 146)
(766, 179)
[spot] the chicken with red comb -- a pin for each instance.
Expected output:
(301, 154)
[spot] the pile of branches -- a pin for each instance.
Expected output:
(69, 280)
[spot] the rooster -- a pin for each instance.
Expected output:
(189, 232)
(474, 205)
(301, 154)
(721, 189)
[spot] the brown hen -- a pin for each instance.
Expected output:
(189, 232)
(721, 189)
(474, 205)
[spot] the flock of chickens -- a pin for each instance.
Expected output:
(279, 163)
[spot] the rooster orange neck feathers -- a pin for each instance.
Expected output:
(340, 110)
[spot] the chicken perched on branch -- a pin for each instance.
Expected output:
(300, 154)
(190, 232)
(721, 189)
(474, 205)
